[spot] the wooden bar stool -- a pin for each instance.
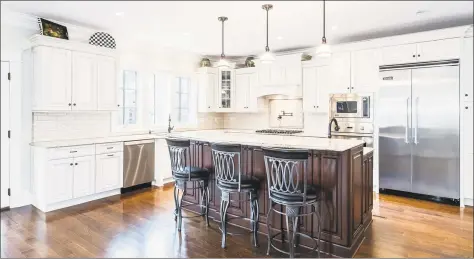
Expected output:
(183, 173)
(287, 179)
(228, 173)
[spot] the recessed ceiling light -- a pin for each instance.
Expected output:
(334, 27)
(119, 13)
(279, 37)
(421, 12)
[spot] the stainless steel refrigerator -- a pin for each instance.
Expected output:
(418, 119)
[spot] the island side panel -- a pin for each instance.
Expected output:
(357, 192)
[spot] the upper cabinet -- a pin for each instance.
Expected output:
(285, 70)
(467, 83)
(340, 72)
(316, 88)
(421, 52)
(226, 90)
(68, 76)
(365, 70)
(245, 84)
(207, 88)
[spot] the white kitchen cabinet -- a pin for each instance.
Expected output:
(399, 54)
(84, 174)
(84, 81)
(468, 127)
(106, 84)
(340, 72)
(467, 83)
(59, 180)
(365, 70)
(284, 71)
(438, 50)
(468, 176)
(316, 88)
(109, 172)
(226, 90)
(207, 89)
(245, 83)
(52, 79)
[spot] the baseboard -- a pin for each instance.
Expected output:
(168, 180)
(4, 209)
(69, 203)
(468, 202)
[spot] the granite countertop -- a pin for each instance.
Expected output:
(253, 139)
(367, 150)
(91, 141)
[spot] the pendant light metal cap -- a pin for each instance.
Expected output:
(267, 58)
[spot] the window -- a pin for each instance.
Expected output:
(128, 98)
(181, 101)
(159, 100)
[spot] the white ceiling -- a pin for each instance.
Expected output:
(193, 26)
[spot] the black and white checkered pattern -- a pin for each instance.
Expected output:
(102, 39)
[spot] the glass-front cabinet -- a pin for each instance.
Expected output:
(226, 89)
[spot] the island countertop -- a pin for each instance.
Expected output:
(262, 140)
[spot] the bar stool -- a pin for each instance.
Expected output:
(287, 179)
(229, 179)
(183, 173)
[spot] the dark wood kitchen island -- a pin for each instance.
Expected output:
(338, 165)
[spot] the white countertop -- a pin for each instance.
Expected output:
(91, 141)
(253, 139)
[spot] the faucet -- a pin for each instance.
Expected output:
(283, 113)
(335, 128)
(169, 124)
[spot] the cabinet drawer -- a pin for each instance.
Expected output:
(73, 151)
(108, 148)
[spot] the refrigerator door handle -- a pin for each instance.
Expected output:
(416, 121)
(406, 125)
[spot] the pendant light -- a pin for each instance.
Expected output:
(267, 57)
(223, 62)
(324, 50)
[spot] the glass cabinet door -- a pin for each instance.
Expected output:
(225, 88)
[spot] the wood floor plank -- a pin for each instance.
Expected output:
(141, 224)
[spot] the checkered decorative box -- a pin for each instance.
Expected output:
(102, 39)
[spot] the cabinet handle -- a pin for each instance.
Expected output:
(110, 155)
(75, 164)
(70, 164)
(73, 151)
(110, 147)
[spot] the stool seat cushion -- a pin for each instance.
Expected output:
(246, 182)
(197, 173)
(313, 193)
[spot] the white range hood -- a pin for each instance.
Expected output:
(279, 92)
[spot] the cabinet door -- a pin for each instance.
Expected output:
(226, 90)
(278, 72)
(365, 70)
(59, 182)
(109, 172)
(399, 54)
(52, 79)
(264, 74)
(467, 83)
(252, 102)
(310, 97)
(106, 84)
(323, 86)
(292, 67)
(340, 72)
(207, 83)
(438, 50)
(242, 84)
(212, 88)
(468, 128)
(84, 81)
(84, 174)
(468, 175)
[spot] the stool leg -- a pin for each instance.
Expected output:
(225, 201)
(208, 200)
(176, 204)
(290, 236)
(254, 217)
(318, 215)
(179, 201)
(269, 232)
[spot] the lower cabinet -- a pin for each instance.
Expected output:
(83, 180)
(59, 180)
(109, 172)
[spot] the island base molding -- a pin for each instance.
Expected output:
(346, 180)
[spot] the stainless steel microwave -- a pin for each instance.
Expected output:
(351, 105)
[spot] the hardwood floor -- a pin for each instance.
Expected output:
(141, 225)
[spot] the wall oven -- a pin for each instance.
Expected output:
(351, 105)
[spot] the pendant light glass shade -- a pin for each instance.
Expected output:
(223, 62)
(267, 57)
(324, 50)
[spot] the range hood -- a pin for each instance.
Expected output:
(279, 92)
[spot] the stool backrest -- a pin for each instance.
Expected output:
(227, 164)
(179, 150)
(286, 171)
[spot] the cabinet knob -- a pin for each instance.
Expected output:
(209, 107)
(69, 104)
(352, 87)
(466, 95)
(418, 55)
(466, 107)
(347, 88)
(413, 55)
(70, 164)
(118, 105)
(314, 106)
(75, 164)
(74, 104)
(317, 106)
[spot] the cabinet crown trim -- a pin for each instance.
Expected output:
(41, 40)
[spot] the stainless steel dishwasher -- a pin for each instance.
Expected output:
(138, 162)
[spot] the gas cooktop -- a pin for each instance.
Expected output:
(278, 131)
